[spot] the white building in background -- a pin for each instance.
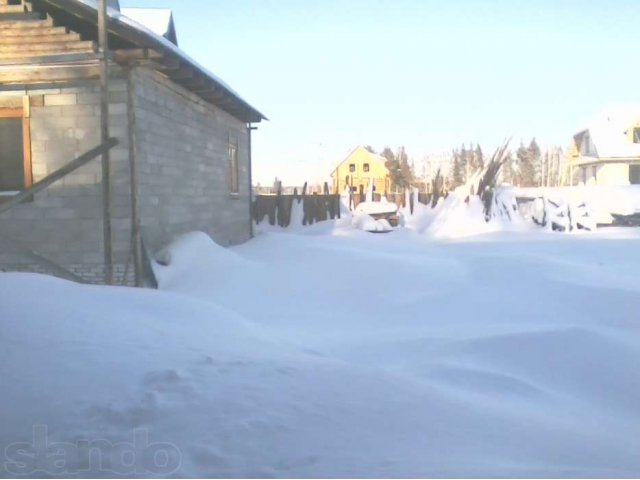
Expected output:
(608, 151)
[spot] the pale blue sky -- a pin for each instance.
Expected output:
(429, 75)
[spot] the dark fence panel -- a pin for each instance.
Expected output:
(277, 208)
(317, 208)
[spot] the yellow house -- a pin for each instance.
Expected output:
(358, 169)
(608, 152)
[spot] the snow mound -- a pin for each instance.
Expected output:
(364, 221)
(197, 259)
(460, 216)
(291, 356)
(374, 208)
(598, 201)
(114, 366)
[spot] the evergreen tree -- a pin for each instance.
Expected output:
(533, 151)
(389, 156)
(456, 170)
(369, 149)
(405, 176)
(463, 157)
(391, 163)
(527, 173)
(509, 170)
(479, 158)
(400, 172)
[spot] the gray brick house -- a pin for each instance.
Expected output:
(182, 161)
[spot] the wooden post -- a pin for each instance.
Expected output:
(133, 176)
(104, 135)
(249, 129)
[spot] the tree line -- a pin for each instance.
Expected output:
(527, 166)
(401, 172)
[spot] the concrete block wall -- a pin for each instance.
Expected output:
(64, 222)
(182, 155)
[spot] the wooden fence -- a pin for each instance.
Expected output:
(277, 208)
(400, 199)
(318, 207)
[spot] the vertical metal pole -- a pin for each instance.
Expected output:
(104, 134)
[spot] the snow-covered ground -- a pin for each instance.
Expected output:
(334, 352)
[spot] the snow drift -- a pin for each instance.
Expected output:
(289, 356)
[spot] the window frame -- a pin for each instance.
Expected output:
(234, 166)
(23, 113)
(352, 168)
(365, 168)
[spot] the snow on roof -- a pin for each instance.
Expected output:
(167, 45)
(609, 131)
(158, 20)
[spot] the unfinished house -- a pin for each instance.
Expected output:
(179, 143)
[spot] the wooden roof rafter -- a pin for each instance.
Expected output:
(173, 63)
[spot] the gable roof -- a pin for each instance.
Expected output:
(133, 41)
(373, 157)
(158, 20)
(608, 136)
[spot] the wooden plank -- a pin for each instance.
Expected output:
(42, 27)
(182, 73)
(59, 46)
(135, 54)
(58, 174)
(133, 176)
(26, 145)
(103, 41)
(48, 74)
(55, 58)
(24, 25)
(212, 94)
(4, 8)
(13, 102)
(35, 56)
(12, 112)
(59, 37)
(20, 17)
(196, 83)
(26, 106)
(168, 63)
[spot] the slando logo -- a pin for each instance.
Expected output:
(98, 455)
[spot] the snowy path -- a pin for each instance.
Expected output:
(344, 355)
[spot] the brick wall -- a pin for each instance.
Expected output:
(64, 222)
(182, 155)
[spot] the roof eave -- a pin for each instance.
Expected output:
(221, 94)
